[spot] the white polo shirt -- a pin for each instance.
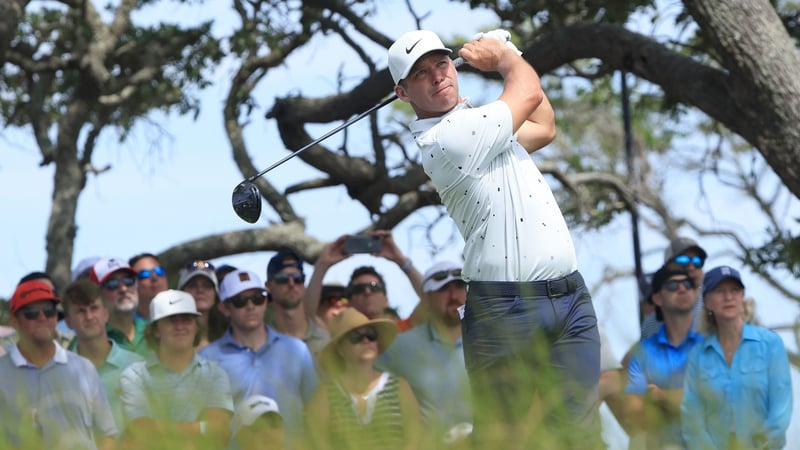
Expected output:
(512, 226)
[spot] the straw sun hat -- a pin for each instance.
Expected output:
(347, 321)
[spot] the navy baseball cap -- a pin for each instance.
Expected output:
(282, 260)
(719, 274)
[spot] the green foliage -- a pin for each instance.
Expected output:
(782, 251)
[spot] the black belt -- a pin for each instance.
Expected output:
(557, 287)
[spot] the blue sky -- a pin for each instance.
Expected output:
(168, 188)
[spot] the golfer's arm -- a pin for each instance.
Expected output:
(522, 90)
(540, 127)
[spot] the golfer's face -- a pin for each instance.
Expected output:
(431, 86)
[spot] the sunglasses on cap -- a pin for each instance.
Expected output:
(442, 275)
(684, 260)
(147, 273)
(283, 278)
(113, 284)
(354, 337)
(672, 285)
(200, 264)
(240, 301)
(361, 288)
(32, 312)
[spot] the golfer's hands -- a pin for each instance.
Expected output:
(499, 34)
(488, 54)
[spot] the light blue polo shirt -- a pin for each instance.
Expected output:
(152, 390)
(654, 360)
(63, 402)
(750, 397)
(282, 369)
(436, 372)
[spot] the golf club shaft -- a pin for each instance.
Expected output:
(456, 62)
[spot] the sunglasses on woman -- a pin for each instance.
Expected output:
(147, 273)
(355, 336)
(200, 264)
(32, 312)
(240, 301)
(684, 260)
(112, 284)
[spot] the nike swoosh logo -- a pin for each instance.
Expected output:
(172, 302)
(409, 49)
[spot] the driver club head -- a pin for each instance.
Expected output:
(246, 201)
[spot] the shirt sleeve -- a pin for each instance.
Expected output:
(692, 423)
(637, 380)
(135, 401)
(779, 395)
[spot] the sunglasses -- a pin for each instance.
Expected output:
(147, 273)
(439, 276)
(240, 301)
(354, 337)
(361, 288)
(200, 264)
(672, 285)
(283, 278)
(684, 260)
(32, 312)
(113, 284)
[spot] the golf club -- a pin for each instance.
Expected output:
(246, 198)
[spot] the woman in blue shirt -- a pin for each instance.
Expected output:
(737, 389)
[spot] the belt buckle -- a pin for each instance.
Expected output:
(551, 293)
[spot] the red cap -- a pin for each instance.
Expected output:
(29, 292)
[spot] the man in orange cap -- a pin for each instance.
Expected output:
(48, 393)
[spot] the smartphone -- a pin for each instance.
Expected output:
(362, 243)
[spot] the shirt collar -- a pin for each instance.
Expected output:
(421, 125)
(60, 356)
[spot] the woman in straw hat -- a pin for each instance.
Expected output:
(359, 407)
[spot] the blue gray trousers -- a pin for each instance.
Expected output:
(526, 341)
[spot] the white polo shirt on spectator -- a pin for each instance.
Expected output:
(63, 402)
(512, 225)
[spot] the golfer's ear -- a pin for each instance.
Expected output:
(400, 92)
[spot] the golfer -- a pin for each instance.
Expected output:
(530, 336)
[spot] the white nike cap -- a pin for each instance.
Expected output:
(171, 303)
(410, 47)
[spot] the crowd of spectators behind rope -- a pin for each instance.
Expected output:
(228, 361)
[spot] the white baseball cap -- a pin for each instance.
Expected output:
(104, 267)
(251, 409)
(171, 303)
(440, 274)
(410, 47)
(237, 282)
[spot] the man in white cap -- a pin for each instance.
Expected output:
(121, 296)
(430, 356)
(257, 424)
(517, 243)
(259, 359)
(175, 399)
